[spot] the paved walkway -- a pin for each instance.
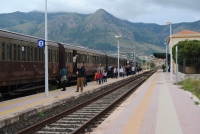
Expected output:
(157, 107)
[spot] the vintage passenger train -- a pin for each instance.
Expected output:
(22, 62)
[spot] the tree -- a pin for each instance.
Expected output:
(189, 49)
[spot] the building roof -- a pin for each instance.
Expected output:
(185, 34)
(159, 60)
(161, 55)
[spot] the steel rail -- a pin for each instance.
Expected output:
(82, 127)
(54, 118)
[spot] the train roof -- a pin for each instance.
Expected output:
(87, 50)
(80, 48)
(18, 36)
(23, 37)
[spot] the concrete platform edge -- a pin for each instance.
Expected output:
(46, 106)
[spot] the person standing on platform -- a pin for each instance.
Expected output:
(80, 80)
(85, 76)
(127, 70)
(105, 76)
(63, 75)
(121, 71)
(75, 63)
(133, 70)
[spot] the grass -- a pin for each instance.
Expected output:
(196, 103)
(191, 85)
(40, 114)
(53, 88)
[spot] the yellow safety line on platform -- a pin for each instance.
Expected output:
(133, 124)
(42, 101)
(35, 103)
(10, 102)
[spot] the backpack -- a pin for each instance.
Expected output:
(62, 72)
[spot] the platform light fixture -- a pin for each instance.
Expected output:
(118, 37)
(170, 46)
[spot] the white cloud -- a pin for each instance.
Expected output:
(148, 11)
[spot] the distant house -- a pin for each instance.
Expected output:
(181, 36)
(159, 62)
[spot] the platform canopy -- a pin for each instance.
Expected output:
(161, 55)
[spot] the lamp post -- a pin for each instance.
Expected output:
(171, 66)
(145, 61)
(46, 54)
(134, 56)
(118, 37)
(166, 58)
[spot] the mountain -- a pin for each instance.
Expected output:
(95, 31)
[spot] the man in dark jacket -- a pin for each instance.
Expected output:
(80, 79)
(63, 74)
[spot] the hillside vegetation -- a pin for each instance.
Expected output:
(96, 31)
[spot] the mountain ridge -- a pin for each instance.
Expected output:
(95, 30)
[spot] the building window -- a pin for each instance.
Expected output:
(3, 51)
(9, 52)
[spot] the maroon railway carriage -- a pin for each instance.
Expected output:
(22, 63)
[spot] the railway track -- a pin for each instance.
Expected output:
(81, 118)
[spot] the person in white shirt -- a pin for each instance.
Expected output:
(105, 76)
(121, 71)
(133, 70)
(75, 63)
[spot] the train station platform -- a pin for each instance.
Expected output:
(156, 107)
(13, 110)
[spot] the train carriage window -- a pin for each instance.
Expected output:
(9, 52)
(97, 59)
(28, 53)
(3, 51)
(54, 56)
(15, 52)
(19, 53)
(69, 57)
(94, 59)
(66, 57)
(83, 58)
(49, 57)
(79, 58)
(35, 54)
(23, 53)
(39, 51)
(31, 53)
(42, 55)
(87, 58)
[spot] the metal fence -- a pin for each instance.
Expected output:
(190, 66)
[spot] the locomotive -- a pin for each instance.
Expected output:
(22, 62)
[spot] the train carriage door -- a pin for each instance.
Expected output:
(106, 58)
(61, 55)
(74, 63)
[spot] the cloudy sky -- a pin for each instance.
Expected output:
(147, 11)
